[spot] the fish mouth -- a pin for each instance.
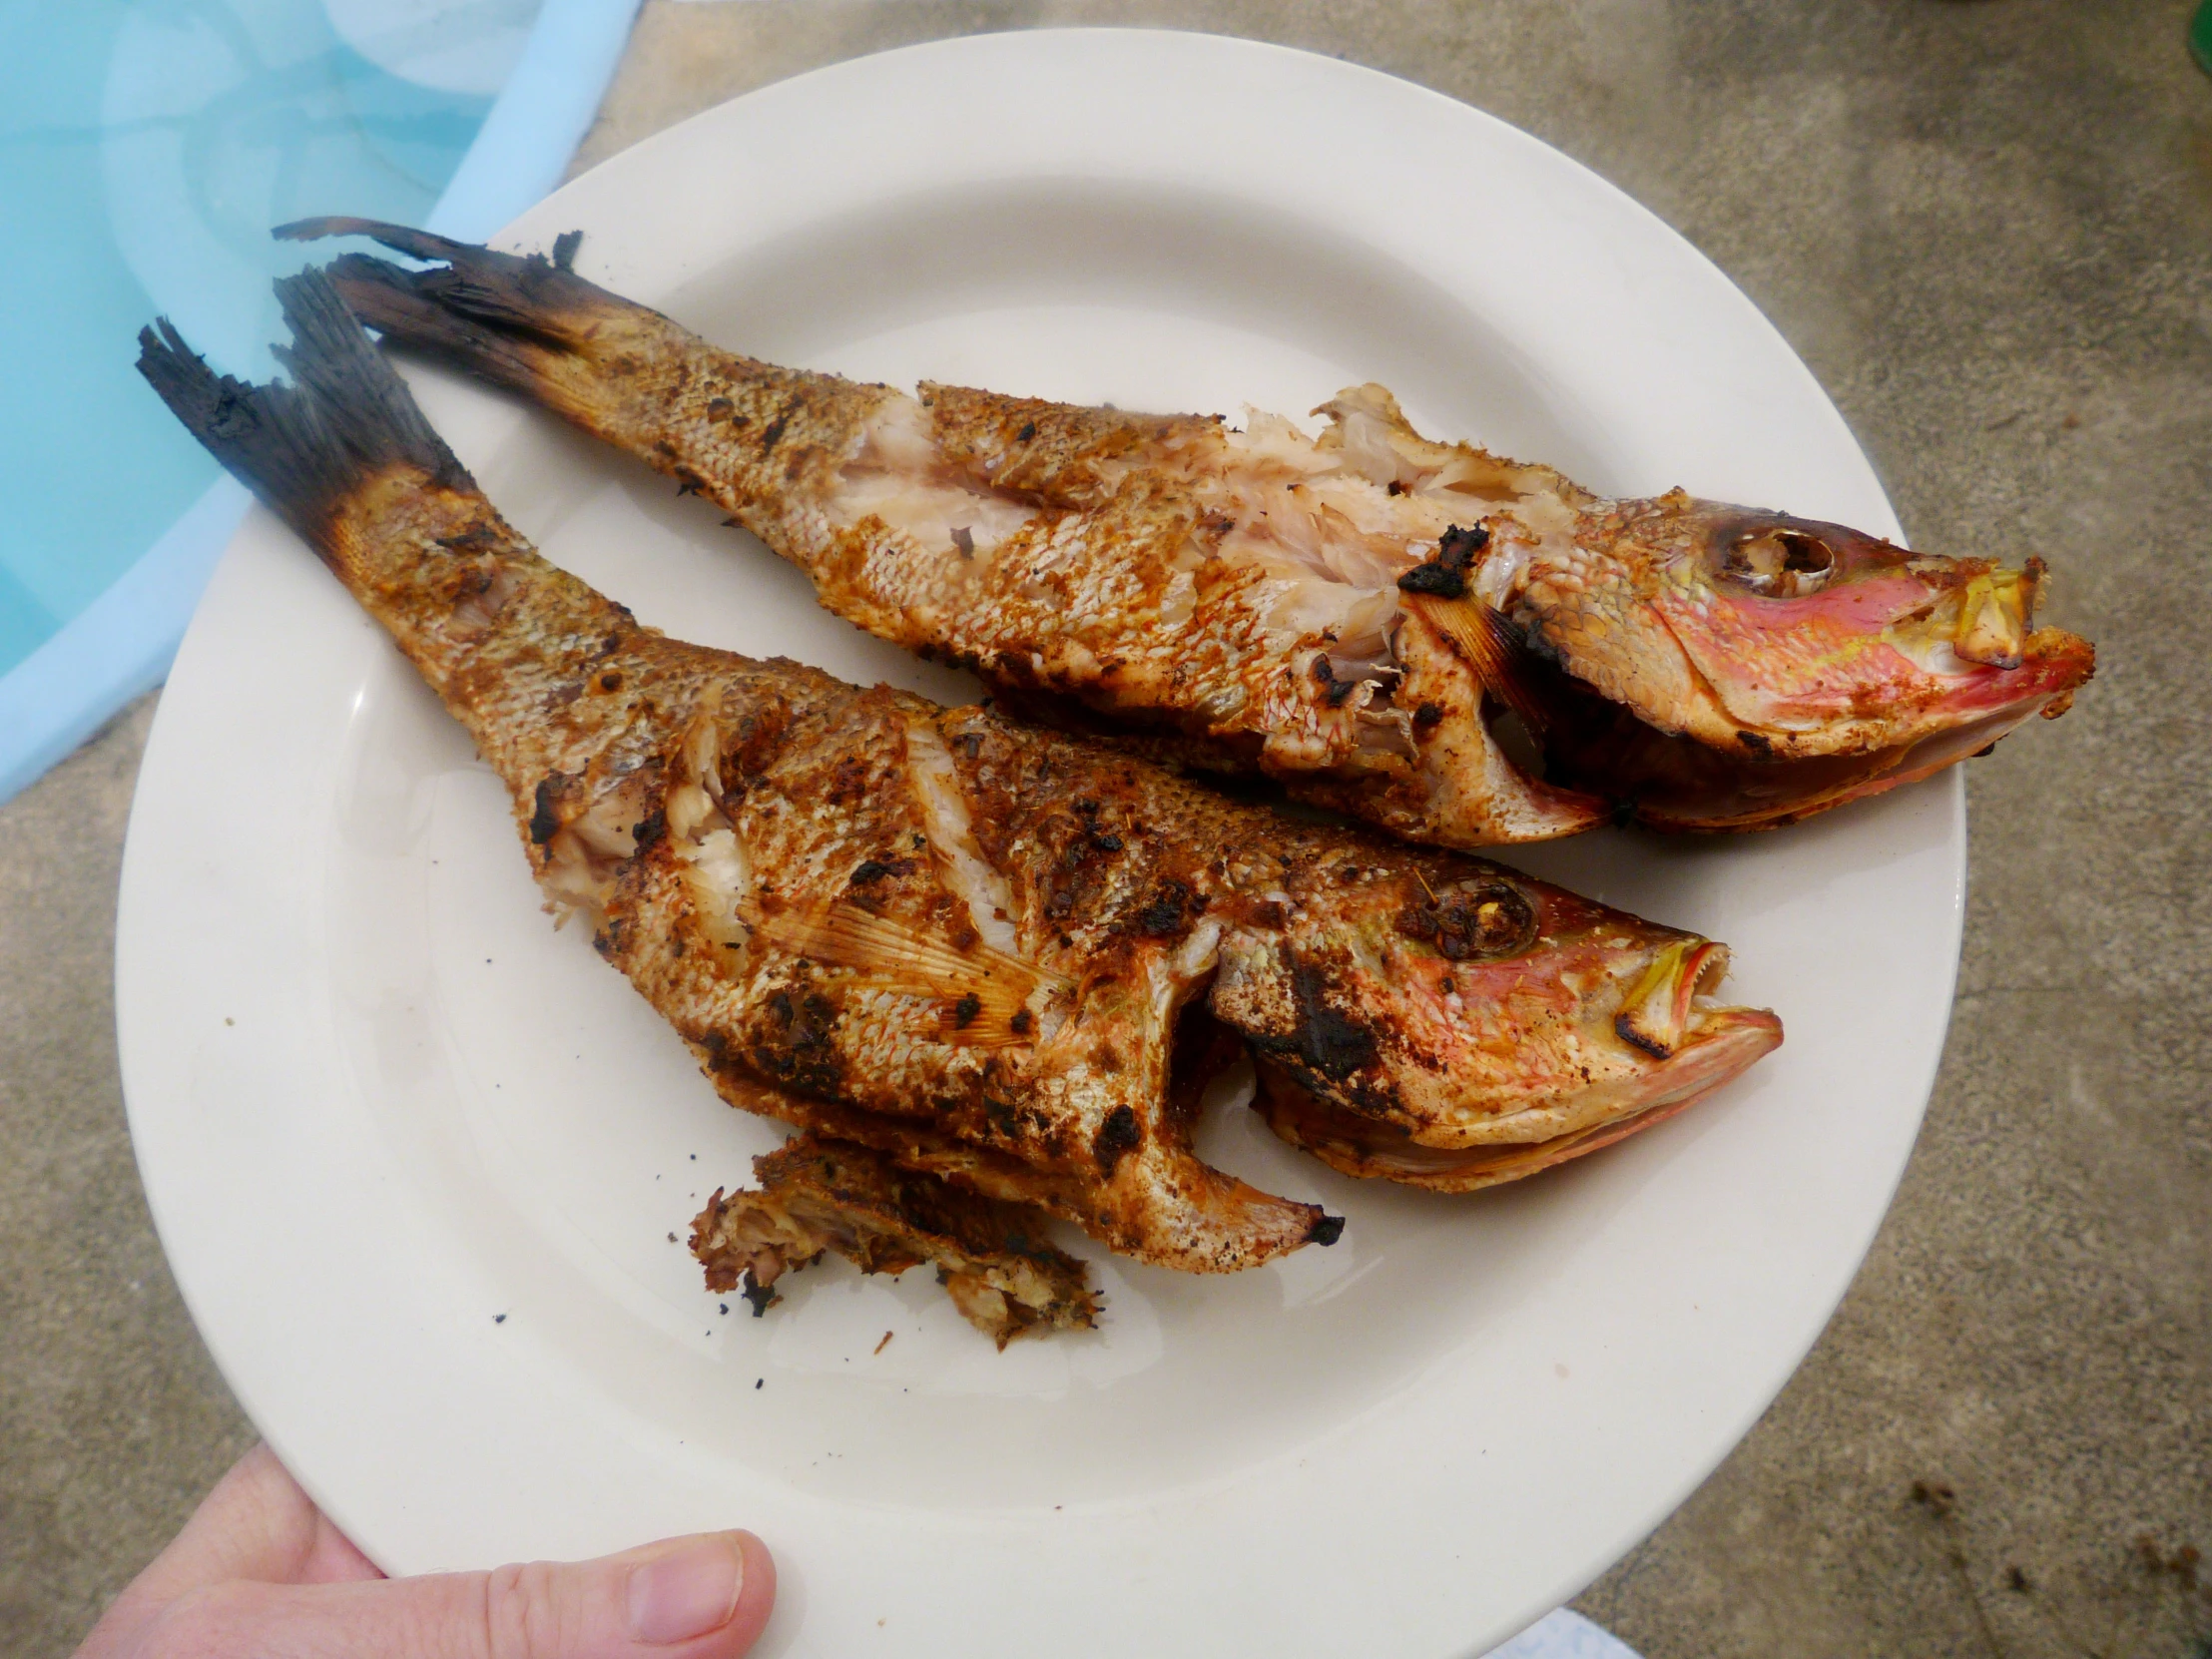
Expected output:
(1987, 621)
(1659, 1010)
(1686, 1047)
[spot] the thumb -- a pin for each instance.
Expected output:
(701, 1597)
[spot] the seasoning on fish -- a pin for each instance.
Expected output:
(1006, 958)
(1359, 615)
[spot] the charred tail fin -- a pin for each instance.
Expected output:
(506, 317)
(304, 447)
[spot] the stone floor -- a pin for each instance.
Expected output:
(1988, 227)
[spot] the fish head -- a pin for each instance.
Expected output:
(1452, 1023)
(1814, 661)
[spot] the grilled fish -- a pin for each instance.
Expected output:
(1358, 615)
(997, 956)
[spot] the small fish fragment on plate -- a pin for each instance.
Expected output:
(818, 1196)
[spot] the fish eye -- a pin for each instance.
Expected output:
(1480, 920)
(1778, 563)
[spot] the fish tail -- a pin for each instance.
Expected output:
(521, 322)
(344, 455)
(306, 447)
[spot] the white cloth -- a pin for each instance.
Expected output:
(1563, 1635)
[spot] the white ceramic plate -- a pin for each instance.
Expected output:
(417, 1159)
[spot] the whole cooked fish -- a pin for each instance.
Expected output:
(1357, 615)
(999, 956)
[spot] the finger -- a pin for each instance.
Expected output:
(256, 1524)
(701, 1597)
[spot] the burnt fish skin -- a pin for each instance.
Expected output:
(1005, 957)
(1353, 615)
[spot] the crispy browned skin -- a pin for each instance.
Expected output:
(1347, 613)
(816, 1195)
(961, 943)
(1108, 557)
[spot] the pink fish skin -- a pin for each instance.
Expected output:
(1715, 667)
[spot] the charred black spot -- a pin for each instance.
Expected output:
(1325, 1231)
(806, 1059)
(688, 482)
(875, 870)
(1472, 922)
(1076, 872)
(650, 829)
(1757, 742)
(1324, 669)
(963, 541)
(1394, 487)
(1325, 1041)
(1029, 431)
(1117, 1137)
(772, 434)
(1627, 1032)
(545, 818)
(1444, 573)
(762, 1296)
(564, 249)
(1022, 1023)
(965, 1010)
(720, 408)
(1162, 916)
(1160, 919)
(1433, 578)
(477, 538)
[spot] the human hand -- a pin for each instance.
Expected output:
(260, 1571)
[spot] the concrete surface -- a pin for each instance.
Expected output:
(1986, 227)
